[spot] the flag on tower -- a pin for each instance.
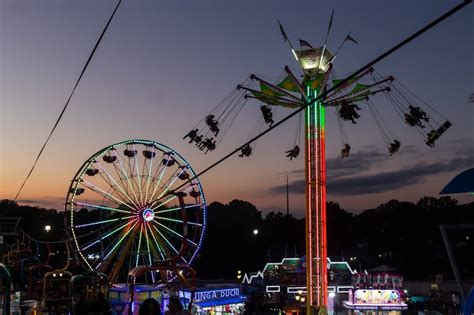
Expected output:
(329, 27)
(350, 38)
(283, 33)
(304, 43)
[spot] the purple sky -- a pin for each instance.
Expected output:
(163, 65)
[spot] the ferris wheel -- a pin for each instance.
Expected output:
(135, 203)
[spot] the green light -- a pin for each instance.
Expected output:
(156, 242)
(322, 115)
(139, 245)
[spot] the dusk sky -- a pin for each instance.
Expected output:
(163, 65)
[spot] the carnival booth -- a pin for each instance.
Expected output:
(377, 293)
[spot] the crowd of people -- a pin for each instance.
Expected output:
(152, 307)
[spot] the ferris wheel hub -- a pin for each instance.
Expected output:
(148, 215)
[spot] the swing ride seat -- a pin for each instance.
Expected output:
(434, 135)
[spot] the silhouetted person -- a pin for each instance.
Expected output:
(212, 123)
(198, 140)
(245, 151)
(192, 135)
(346, 150)
(394, 147)
(150, 307)
(175, 307)
(412, 121)
(210, 145)
(267, 114)
(293, 153)
(348, 111)
(205, 144)
(417, 113)
(102, 304)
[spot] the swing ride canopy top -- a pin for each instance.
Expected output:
(122, 209)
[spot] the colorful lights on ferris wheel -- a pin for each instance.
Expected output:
(135, 216)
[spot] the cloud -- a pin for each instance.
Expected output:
(358, 162)
(341, 184)
(47, 202)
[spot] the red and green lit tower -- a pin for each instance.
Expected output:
(293, 93)
(315, 63)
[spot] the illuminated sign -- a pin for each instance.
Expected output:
(375, 299)
(216, 294)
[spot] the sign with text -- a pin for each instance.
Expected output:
(210, 295)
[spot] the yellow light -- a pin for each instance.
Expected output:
(300, 292)
(297, 297)
(303, 299)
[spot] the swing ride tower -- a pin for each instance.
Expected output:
(315, 195)
(315, 62)
(313, 95)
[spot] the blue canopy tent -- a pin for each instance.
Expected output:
(461, 183)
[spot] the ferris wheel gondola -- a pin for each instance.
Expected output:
(122, 209)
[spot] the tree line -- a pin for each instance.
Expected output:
(401, 234)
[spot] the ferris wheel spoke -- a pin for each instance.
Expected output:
(104, 221)
(167, 241)
(129, 181)
(158, 246)
(123, 179)
(165, 166)
(101, 238)
(139, 180)
(176, 234)
(115, 184)
(178, 208)
(132, 175)
(103, 193)
(150, 261)
(101, 207)
(168, 185)
(118, 243)
(152, 206)
(149, 169)
(139, 245)
(177, 221)
(148, 245)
